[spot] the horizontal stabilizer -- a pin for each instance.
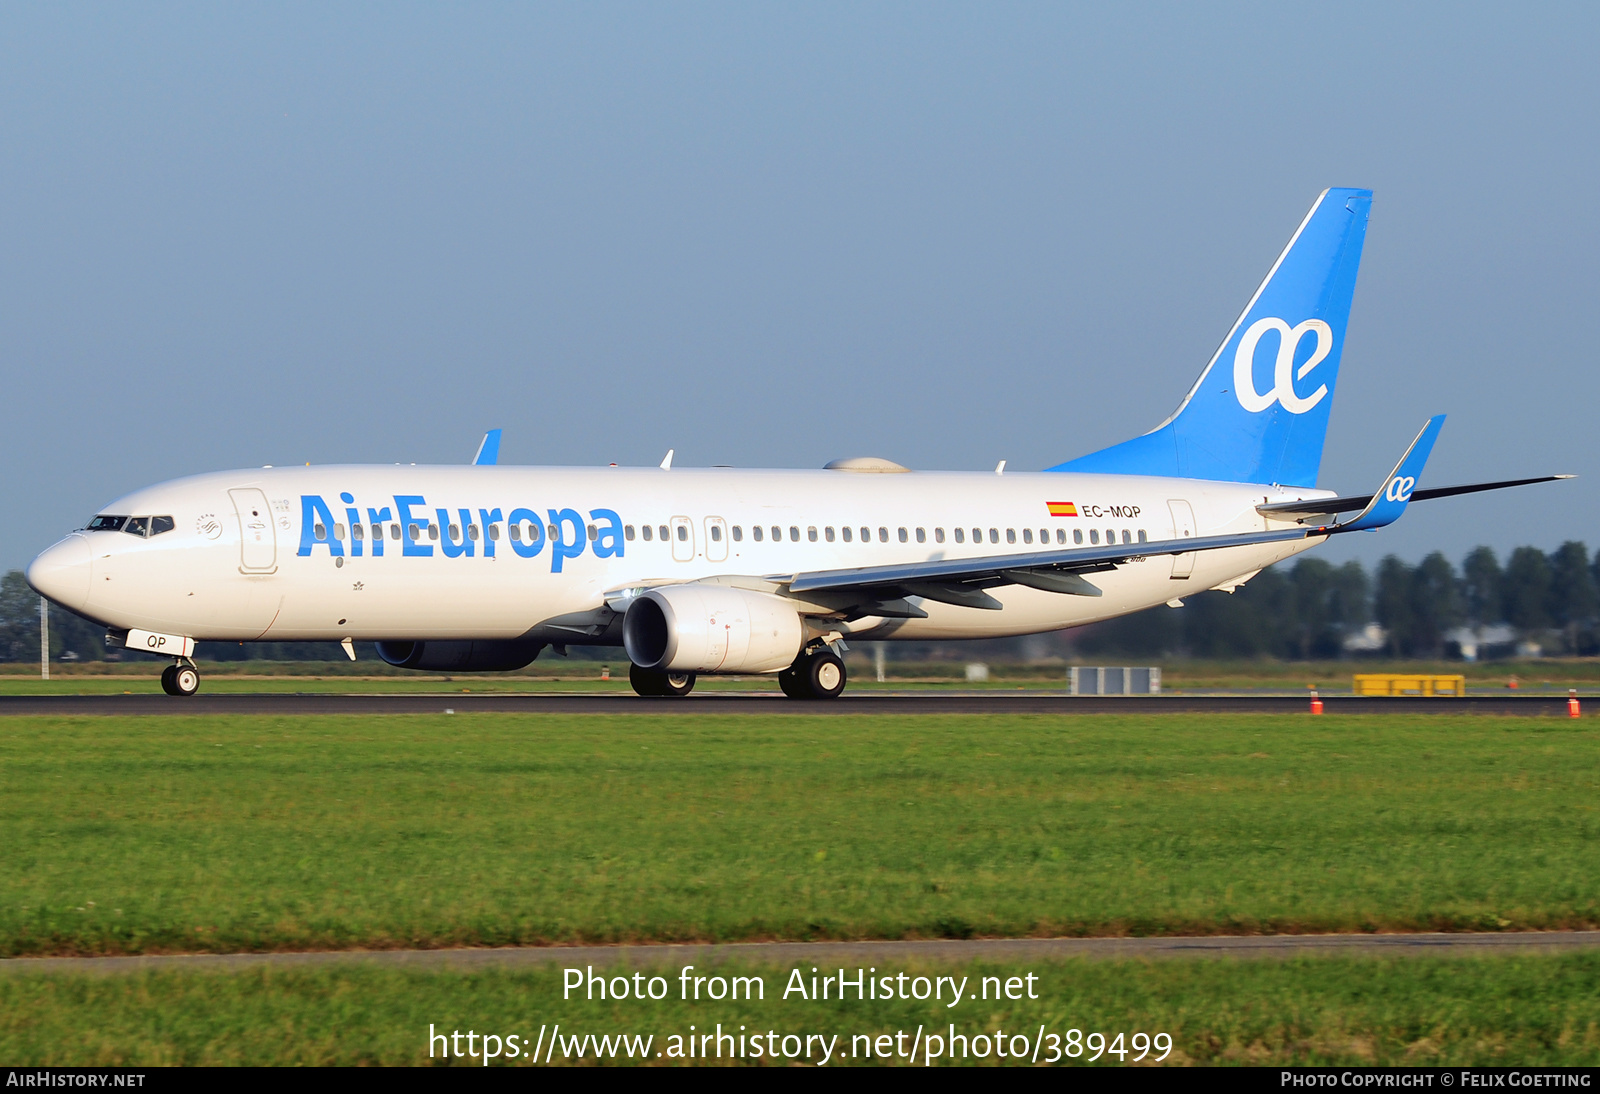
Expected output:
(1310, 508)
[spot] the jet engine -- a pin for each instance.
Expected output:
(711, 628)
(470, 656)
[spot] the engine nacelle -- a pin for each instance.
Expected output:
(470, 656)
(711, 628)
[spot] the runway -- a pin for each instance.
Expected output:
(1235, 947)
(710, 703)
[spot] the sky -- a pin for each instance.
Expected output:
(774, 235)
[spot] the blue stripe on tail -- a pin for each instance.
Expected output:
(1259, 412)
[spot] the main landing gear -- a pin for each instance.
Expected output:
(815, 674)
(654, 683)
(180, 678)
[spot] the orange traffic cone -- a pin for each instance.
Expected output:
(1572, 703)
(1316, 702)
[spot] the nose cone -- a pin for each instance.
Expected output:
(61, 573)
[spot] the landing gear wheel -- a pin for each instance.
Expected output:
(166, 679)
(792, 685)
(646, 682)
(185, 680)
(818, 675)
(653, 683)
(823, 675)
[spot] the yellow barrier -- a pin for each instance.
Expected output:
(1389, 683)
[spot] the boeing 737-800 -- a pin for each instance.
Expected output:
(479, 567)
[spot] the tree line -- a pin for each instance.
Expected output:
(1309, 610)
(1313, 609)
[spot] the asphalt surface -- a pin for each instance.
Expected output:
(854, 953)
(996, 702)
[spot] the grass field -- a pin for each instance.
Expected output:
(1506, 1010)
(256, 832)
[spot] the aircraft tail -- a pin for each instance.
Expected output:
(1263, 414)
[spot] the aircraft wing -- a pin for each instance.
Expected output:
(962, 580)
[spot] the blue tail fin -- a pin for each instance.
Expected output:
(1262, 415)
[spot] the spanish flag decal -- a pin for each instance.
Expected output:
(1062, 508)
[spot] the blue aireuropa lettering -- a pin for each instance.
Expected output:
(563, 529)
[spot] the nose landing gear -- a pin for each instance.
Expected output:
(180, 678)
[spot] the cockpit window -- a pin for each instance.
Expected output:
(137, 526)
(161, 524)
(104, 523)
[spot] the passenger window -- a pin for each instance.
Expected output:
(977, 535)
(359, 532)
(494, 531)
(662, 531)
(472, 531)
(883, 535)
(394, 532)
(1142, 537)
(1094, 535)
(716, 533)
(1077, 536)
(627, 532)
(777, 534)
(455, 532)
(811, 533)
(903, 536)
(938, 535)
(827, 533)
(161, 524)
(516, 533)
(338, 531)
(377, 531)
(846, 533)
(961, 535)
(649, 533)
(415, 531)
(554, 532)
(1027, 535)
(136, 526)
(683, 532)
(757, 533)
(433, 531)
(922, 535)
(1011, 535)
(1061, 535)
(1127, 536)
(1111, 535)
(866, 534)
(994, 535)
(794, 533)
(738, 534)
(1044, 535)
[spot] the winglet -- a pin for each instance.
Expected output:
(666, 464)
(489, 451)
(1390, 499)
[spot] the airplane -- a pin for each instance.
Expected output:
(480, 567)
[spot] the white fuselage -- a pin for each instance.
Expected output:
(244, 559)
